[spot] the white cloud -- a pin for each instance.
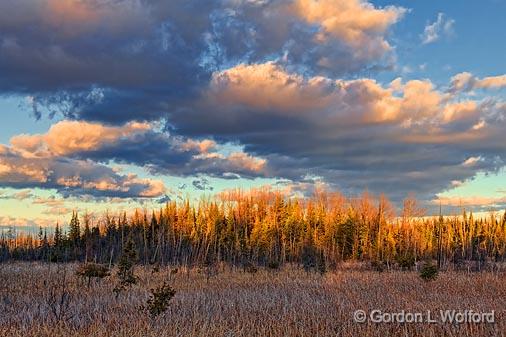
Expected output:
(443, 26)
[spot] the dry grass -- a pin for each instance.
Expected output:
(232, 303)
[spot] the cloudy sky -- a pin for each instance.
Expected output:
(114, 104)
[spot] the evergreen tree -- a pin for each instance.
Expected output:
(74, 230)
(126, 263)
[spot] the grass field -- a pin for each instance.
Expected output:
(232, 303)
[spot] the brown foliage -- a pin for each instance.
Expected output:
(287, 303)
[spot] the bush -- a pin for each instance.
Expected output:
(378, 266)
(308, 258)
(92, 270)
(250, 268)
(273, 265)
(406, 262)
(58, 297)
(155, 269)
(321, 264)
(429, 272)
(159, 299)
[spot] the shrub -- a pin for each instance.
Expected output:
(158, 301)
(155, 269)
(321, 264)
(429, 272)
(273, 265)
(250, 268)
(406, 262)
(308, 258)
(58, 297)
(378, 265)
(92, 270)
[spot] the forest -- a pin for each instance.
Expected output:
(262, 227)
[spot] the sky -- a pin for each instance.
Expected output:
(111, 105)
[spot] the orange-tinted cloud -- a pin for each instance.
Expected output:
(466, 81)
(22, 172)
(73, 177)
(68, 137)
(349, 101)
(358, 23)
(356, 132)
(470, 201)
(71, 18)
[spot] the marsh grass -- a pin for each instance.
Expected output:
(287, 302)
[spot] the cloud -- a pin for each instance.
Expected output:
(67, 137)
(443, 26)
(24, 224)
(57, 211)
(23, 195)
(466, 82)
(299, 100)
(72, 158)
(467, 201)
(20, 195)
(103, 60)
(72, 177)
(202, 184)
(119, 61)
(355, 22)
(353, 134)
(321, 37)
(245, 88)
(164, 199)
(471, 161)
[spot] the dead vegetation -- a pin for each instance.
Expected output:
(51, 300)
(90, 271)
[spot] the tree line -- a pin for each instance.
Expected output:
(269, 228)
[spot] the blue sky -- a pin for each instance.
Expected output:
(131, 104)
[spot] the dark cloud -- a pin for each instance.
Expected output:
(256, 31)
(202, 184)
(139, 55)
(163, 200)
(174, 158)
(139, 144)
(355, 135)
(116, 61)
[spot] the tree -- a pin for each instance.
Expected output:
(309, 254)
(126, 263)
(74, 236)
(58, 244)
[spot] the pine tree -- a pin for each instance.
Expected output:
(74, 230)
(58, 236)
(126, 263)
(309, 254)
(86, 238)
(58, 244)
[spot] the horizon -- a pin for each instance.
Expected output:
(98, 218)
